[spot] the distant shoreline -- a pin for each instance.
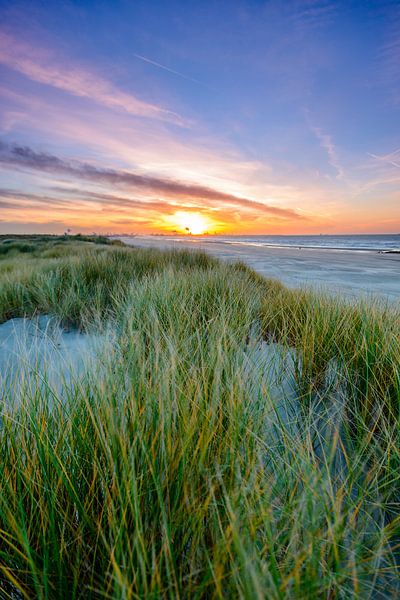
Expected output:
(392, 245)
(352, 272)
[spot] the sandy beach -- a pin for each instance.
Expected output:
(353, 273)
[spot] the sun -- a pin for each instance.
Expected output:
(190, 222)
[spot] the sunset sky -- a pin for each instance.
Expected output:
(231, 117)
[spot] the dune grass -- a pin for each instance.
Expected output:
(170, 471)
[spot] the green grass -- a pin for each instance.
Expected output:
(170, 472)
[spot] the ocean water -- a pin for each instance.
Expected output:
(377, 243)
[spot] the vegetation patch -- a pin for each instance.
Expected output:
(170, 472)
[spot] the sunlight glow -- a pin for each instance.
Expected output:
(190, 223)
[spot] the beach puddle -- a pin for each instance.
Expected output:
(317, 419)
(39, 353)
(272, 373)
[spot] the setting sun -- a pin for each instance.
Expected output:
(190, 223)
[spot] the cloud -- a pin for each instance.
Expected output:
(328, 145)
(23, 157)
(387, 71)
(130, 222)
(40, 66)
(315, 14)
(113, 200)
(36, 198)
(6, 204)
(16, 199)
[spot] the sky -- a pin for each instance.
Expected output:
(229, 117)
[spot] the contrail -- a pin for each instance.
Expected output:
(160, 66)
(387, 158)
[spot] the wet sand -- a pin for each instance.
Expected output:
(353, 273)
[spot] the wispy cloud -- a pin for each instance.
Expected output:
(6, 204)
(387, 72)
(41, 66)
(131, 222)
(23, 157)
(23, 197)
(328, 145)
(315, 14)
(75, 198)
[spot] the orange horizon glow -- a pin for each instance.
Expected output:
(179, 222)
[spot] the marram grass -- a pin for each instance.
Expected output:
(169, 472)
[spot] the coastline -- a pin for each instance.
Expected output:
(355, 273)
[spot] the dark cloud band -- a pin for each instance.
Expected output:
(23, 157)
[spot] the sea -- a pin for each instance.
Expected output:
(360, 243)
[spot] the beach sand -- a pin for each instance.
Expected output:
(353, 273)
